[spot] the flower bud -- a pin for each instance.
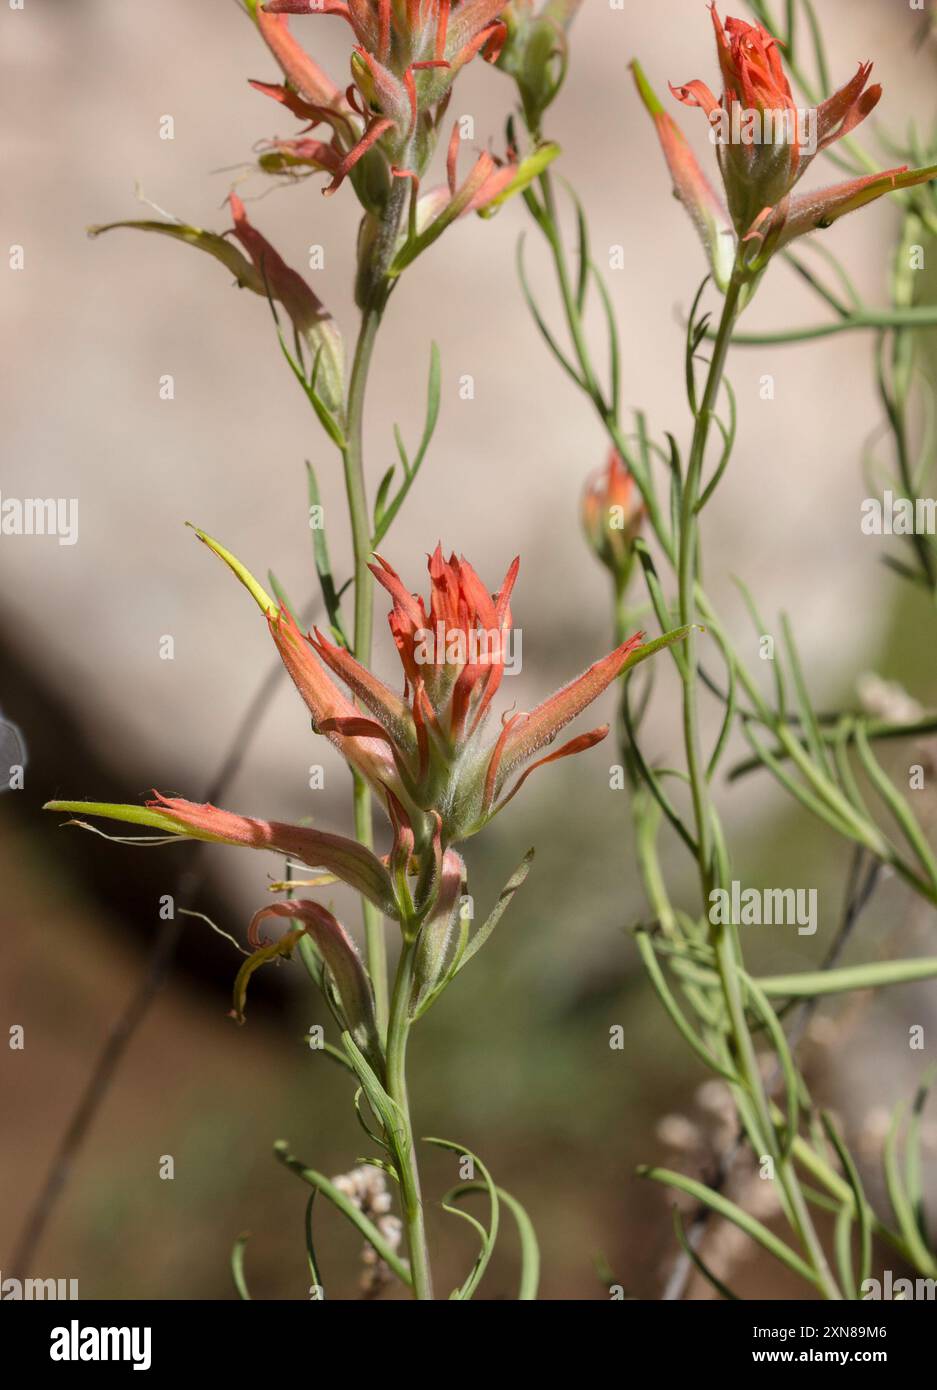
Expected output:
(438, 930)
(535, 52)
(612, 516)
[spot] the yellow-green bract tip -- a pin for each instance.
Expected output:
(133, 815)
(648, 95)
(259, 594)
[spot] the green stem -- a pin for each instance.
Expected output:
(725, 942)
(353, 458)
(686, 571)
(410, 1195)
(376, 291)
(896, 409)
(681, 551)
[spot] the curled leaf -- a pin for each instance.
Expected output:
(283, 947)
(338, 951)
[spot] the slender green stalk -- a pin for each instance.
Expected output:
(393, 1016)
(725, 940)
(410, 1194)
(686, 570)
(681, 551)
(353, 458)
(375, 290)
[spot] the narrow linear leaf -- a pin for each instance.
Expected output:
(659, 982)
(501, 906)
(384, 1106)
(786, 1061)
(728, 433)
(530, 1249)
(346, 1206)
(651, 779)
(811, 727)
(860, 1208)
(237, 1266)
(811, 983)
(897, 805)
(696, 1258)
(328, 422)
(541, 323)
(489, 1236)
(380, 497)
(320, 551)
(411, 470)
(901, 1203)
(913, 1160)
(280, 594)
(311, 1249)
(721, 1205)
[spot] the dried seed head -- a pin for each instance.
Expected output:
(366, 1186)
(679, 1132)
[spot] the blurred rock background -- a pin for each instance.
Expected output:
(516, 1063)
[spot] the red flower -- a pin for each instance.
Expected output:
(438, 771)
(454, 655)
(407, 55)
(427, 753)
(765, 145)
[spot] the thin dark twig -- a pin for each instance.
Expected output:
(683, 1266)
(188, 883)
(864, 875)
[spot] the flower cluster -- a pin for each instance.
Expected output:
(384, 127)
(763, 153)
(380, 133)
(427, 754)
(406, 57)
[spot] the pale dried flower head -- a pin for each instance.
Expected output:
(366, 1186)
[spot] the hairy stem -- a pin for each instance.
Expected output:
(377, 291)
(392, 1016)
(410, 1195)
(353, 458)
